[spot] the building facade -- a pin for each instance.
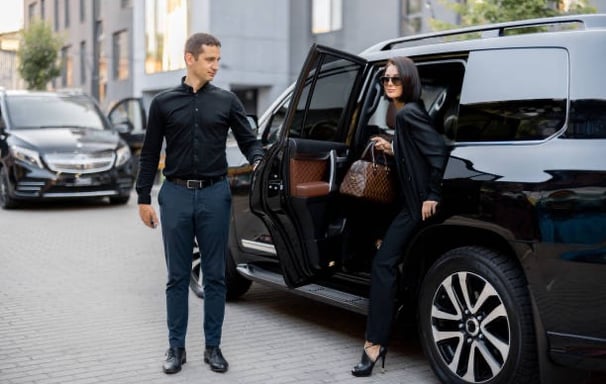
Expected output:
(134, 48)
(124, 48)
(9, 76)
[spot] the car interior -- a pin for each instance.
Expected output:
(319, 157)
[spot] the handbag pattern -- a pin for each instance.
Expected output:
(369, 180)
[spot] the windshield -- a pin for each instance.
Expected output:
(53, 111)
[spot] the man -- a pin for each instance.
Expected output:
(195, 200)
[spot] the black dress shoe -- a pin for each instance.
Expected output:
(175, 357)
(215, 359)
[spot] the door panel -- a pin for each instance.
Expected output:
(293, 190)
(131, 113)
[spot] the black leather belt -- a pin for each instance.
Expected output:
(196, 184)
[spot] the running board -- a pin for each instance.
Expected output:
(317, 292)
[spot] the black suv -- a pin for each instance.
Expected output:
(59, 145)
(508, 283)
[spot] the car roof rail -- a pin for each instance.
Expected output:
(70, 91)
(585, 21)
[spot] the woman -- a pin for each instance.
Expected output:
(420, 156)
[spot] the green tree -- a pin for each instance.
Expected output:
(38, 53)
(476, 12)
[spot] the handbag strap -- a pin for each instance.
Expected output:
(371, 146)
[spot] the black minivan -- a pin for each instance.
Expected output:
(508, 283)
(59, 145)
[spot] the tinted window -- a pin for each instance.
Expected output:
(51, 111)
(272, 130)
(587, 120)
(128, 111)
(317, 117)
(441, 88)
(513, 94)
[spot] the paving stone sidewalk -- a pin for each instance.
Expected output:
(82, 302)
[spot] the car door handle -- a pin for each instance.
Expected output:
(332, 172)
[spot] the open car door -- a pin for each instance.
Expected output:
(294, 190)
(129, 114)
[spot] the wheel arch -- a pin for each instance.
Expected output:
(435, 240)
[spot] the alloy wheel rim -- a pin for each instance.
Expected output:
(470, 327)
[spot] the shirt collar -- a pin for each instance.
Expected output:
(189, 89)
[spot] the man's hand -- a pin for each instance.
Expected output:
(148, 215)
(255, 165)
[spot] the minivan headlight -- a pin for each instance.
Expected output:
(26, 155)
(122, 155)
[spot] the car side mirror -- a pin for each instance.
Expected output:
(123, 127)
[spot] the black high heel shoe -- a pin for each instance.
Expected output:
(365, 366)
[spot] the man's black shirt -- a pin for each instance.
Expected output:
(195, 126)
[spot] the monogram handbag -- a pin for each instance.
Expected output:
(369, 180)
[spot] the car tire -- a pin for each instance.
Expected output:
(119, 200)
(236, 284)
(475, 319)
(6, 201)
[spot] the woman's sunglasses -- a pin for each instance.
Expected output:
(395, 80)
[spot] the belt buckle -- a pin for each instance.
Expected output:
(194, 184)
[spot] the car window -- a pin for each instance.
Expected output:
(441, 89)
(272, 130)
(53, 111)
(129, 111)
(324, 99)
(513, 95)
(587, 120)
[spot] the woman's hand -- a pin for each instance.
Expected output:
(428, 209)
(382, 145)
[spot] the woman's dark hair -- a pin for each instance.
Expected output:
(411, 82)
(195, 42)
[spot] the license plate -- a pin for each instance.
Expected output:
(83, 181)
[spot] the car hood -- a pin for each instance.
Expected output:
(53, 140)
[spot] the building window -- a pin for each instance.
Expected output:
(412, 16)
(82, 10)
(327, 16)
(66, 13)
(166, 30)
(102, 62)
(42, 10)
(66, 68)
(97, 8)
(31, 11)
(120, 55)
(83, 63)
(56, 15)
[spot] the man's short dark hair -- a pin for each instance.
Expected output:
(195, 42)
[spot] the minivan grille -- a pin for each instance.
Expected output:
(80, 162)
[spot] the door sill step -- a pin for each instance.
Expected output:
(317, 292)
